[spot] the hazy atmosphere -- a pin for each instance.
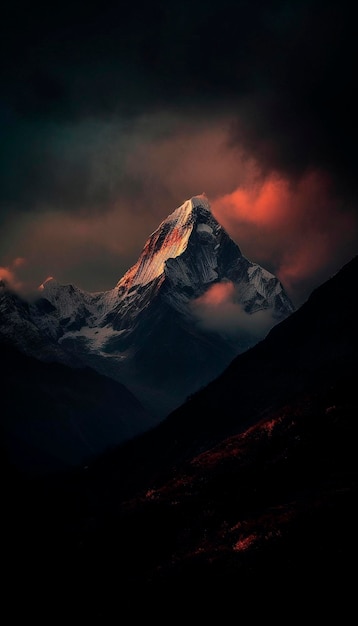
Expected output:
(112, 116)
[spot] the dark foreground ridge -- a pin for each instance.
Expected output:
(243, 500)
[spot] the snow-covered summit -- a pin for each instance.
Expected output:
(170, 240)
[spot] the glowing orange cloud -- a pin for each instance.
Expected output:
(277, 201)
(265, 203)
(294, 229)
(8, 274)
(218, 294)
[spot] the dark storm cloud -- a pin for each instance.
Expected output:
(285, 69)
(303, 115)
(112, 114)
(68, 165)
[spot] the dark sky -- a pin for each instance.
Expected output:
(112, 114)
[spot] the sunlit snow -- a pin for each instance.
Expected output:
(168, 241)
(97, 337)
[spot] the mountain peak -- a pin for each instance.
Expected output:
(168, 241)
(189, 209)
(201, 200)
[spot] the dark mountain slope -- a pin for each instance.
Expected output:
(243, 501)
(313, 349)
(271, 510)
(53, 416)
(265, 521)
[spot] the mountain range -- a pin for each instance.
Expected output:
(242, 500)
(173, 322)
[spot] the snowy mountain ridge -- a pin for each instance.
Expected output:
(147, 332)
